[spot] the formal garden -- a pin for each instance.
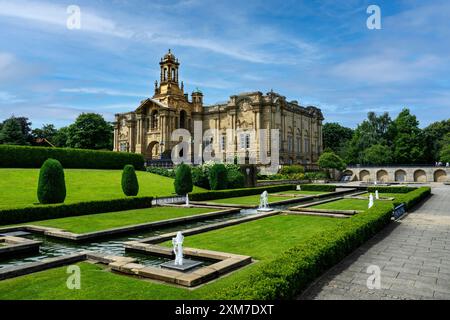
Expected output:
(118, 223)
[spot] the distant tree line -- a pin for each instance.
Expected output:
(89, 131)
(379, 140)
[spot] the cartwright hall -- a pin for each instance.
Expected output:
(147, 129)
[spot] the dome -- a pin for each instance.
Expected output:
(169, 56)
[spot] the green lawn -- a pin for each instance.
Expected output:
(104, 221)
(248, 200)
(262, 239)
(344, 204)
(19, 186)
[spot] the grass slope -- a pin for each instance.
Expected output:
(19, 186)
(103, 221)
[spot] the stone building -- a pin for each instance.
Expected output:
(148, 128)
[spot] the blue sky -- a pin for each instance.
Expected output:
(317, 52)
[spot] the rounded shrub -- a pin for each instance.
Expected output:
(183, 180)
(130, 185)
(218, 177)
(51, 185)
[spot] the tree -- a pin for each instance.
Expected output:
(48, 132)
(130, 184)
(374, 130)
(183, 180)
(61, 137)
(12, 133)
(408, 142)
(218, 177)
(434, 136)
(51, 185)
(330, 160)
(335, 136)
(25, 126)
(90, 131)
(377, 155)
(444, 155)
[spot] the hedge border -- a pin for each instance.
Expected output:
(33, 157)
(318, 187)
(43, 212)
(384, 189)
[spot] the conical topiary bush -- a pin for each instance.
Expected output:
(183, 180)
(51, 185)
(130, 185)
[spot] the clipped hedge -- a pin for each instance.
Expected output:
(318, 187)
(34, 157)
(292, 271)
(411, 198)
(231, 193)
(384, 189)
(43, 212)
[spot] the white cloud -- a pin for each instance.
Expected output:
(7, 98)
(102, 91)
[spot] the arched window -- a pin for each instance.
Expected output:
(165, 74)
(154, 120)
(173, 75)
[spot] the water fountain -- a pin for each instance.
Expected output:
(187, 200)
(298, 188)
(180, 263)
(264, 203)
(377, 195)
(370, 201)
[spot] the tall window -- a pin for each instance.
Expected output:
(290, 145)
(244, 139)
(183, 119)
(299, 144)
(123, 147)
(223, 143)
(306, 145)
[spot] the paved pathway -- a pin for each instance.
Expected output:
(412, 254)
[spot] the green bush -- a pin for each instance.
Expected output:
(130, 184)
(384, 189)
(292, 169)
(200, 177)
(51, 185)
(43, 212)
(162, 171)
(231, 193)
(235, 179)
(318, 187)
(218, 177)
(34, 157)
(183, 180)
(313, 175)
